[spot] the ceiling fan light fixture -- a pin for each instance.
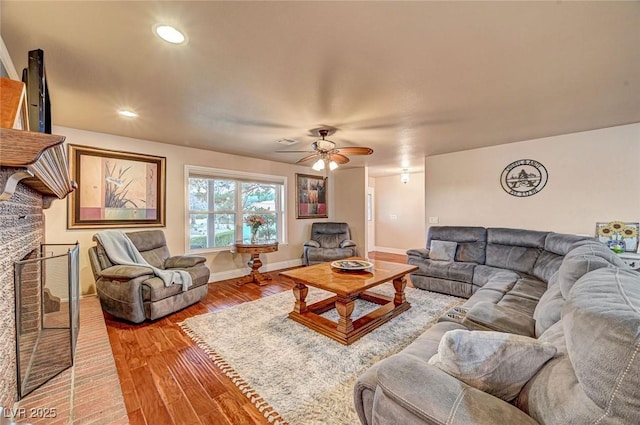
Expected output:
(318, 165)
(333, 165)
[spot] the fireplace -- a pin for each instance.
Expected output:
(33, 172)
(46, 314)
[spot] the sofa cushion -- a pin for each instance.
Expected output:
(562, 243)
(461, 272)
(582, 260)
(604, 306)
(154, 289)
(442, 250)
(596, 381)
(494, 362)
(529, 287)
(549, 309)
(471, 241)
(546, 265)
(321, 255)
(152, 245)
(514, 249)
(494, 277)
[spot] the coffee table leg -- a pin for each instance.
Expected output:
(399, 284)
(300, 291)
(345, 306)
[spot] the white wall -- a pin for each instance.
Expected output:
(400, 219)
(350, 203)
(222, 264)
(593, 176)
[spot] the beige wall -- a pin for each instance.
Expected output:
(400, 219)
(593, 176)
(223, 264)
(350, 203)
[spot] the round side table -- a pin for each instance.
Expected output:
(254, 262)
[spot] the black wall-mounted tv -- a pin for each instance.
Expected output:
(39, 103)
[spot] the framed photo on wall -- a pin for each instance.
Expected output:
(618, 236)
(311, 196)
(116, 189)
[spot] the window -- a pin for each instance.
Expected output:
(220, 200)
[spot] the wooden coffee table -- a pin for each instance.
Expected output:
(348, 286)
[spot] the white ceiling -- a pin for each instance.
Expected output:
(408, 79)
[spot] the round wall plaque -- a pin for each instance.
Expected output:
(524, 177)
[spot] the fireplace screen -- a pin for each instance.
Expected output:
(47, 314)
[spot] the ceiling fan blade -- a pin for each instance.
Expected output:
(340, 159)
(306, 158)
(355, 151)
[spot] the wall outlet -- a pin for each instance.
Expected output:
(433, 220)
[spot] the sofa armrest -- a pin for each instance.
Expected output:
(425, 394)
(183, 261)
(493, 317)
(347, 243)
(121, 272)
(312, 244)
(418, 252)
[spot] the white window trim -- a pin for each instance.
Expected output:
(233, 175)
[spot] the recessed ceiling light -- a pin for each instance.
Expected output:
(169, 34)
(127, 113)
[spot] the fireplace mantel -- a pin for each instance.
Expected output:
(41, 162)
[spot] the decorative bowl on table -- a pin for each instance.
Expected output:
(351, 265)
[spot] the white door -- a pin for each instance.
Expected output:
(371, 220)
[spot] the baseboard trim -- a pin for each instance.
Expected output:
(236, 273)
(390, 250)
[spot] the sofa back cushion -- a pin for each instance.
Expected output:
(597, 380)
(152, 245)
(582, 260)
(556, 246)
(471, 241)
(514, 249)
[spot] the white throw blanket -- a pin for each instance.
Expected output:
(121, 250)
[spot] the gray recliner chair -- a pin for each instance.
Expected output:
(329, 242)
(133, 293)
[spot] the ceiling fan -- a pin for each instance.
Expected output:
(328, 154)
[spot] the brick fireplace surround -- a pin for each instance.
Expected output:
(87, 393)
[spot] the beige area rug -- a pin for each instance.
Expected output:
(293, 374)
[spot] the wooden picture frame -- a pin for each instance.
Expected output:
(116, 189)
(311, 196)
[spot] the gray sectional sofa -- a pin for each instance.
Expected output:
(564, 293)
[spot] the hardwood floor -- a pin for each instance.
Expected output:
(167, 379)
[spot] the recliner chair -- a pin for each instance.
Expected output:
(133, 293)
(329, 242)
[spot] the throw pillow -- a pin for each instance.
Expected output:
(494, 362)
(442, 250)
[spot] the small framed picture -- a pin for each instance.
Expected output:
(311, 196)
(618, 236)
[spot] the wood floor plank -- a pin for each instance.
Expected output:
(155, 412)
(167, 379)
(200, 400)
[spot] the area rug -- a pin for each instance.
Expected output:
(293, 374)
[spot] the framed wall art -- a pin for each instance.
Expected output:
(618, 236)
(116, 189)
(311, 196)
